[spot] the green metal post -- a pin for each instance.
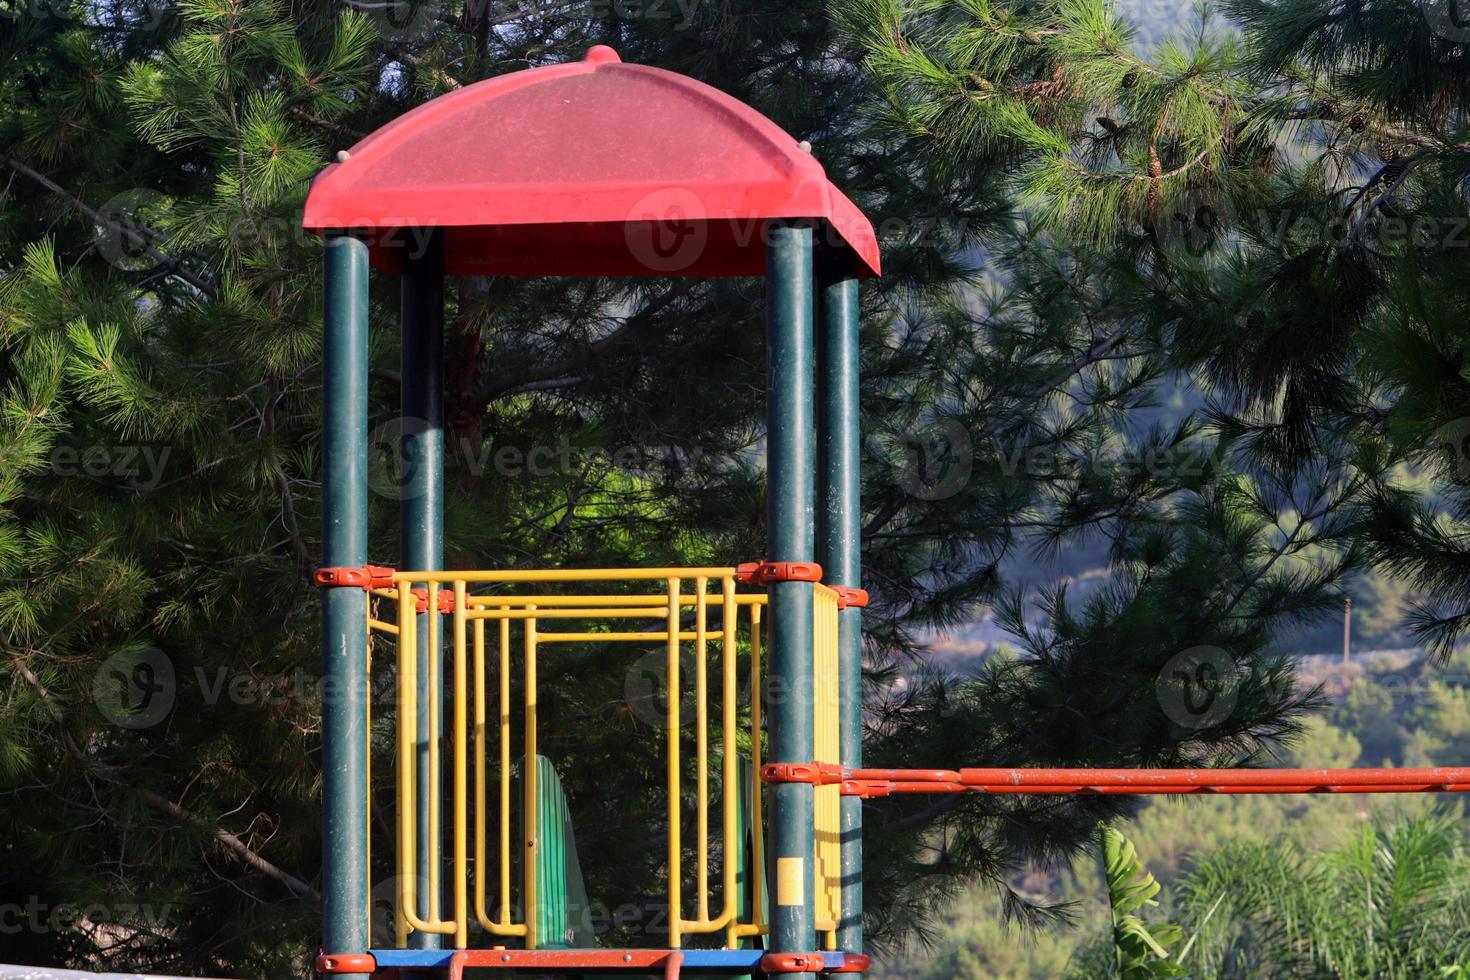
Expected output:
(790, 455)
(839, 552)
(422, 508)
(344, 620)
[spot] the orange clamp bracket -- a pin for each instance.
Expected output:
(793, 963)
(767, 572)
(329, 963)
(850, 598)
(367, 578)
(421, 600)
(816, 773)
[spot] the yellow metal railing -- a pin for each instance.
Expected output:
(470, 600)
(828, 801)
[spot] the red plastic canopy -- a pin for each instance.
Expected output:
(592, 168)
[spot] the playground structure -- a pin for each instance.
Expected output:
(598, 168)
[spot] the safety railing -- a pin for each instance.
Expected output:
(668, 608)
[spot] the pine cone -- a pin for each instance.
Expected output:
(1387, 151)
(1130, 79)
(1357, 122)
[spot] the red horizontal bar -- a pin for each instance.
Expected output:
(871, 789)
(884, 782)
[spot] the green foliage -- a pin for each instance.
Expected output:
(1141, 950)
(1393, 902)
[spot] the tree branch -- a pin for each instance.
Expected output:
(173, 264)
(233, 843)
(238, 847)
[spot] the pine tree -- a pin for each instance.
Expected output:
(1270, 206)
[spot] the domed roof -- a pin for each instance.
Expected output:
(591, 168)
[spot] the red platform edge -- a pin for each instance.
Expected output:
(670, 960)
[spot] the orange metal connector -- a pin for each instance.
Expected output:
(849, 597)
(766, 572)
(792, 963)
(367, 577)
(421, 600)
(336, 963)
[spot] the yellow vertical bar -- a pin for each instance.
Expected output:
(367, 831)
(481, 912)
(531, 822)
(730, 773)
(676, 909)
(407, 724)
(757, 789)
(461, 791)
(701, 747)
(505, 910)
(436, 788)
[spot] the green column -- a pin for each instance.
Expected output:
(839, 549)
(422, 508)
(790, 459)
(344, 620)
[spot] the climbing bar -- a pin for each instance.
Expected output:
(872, 783)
